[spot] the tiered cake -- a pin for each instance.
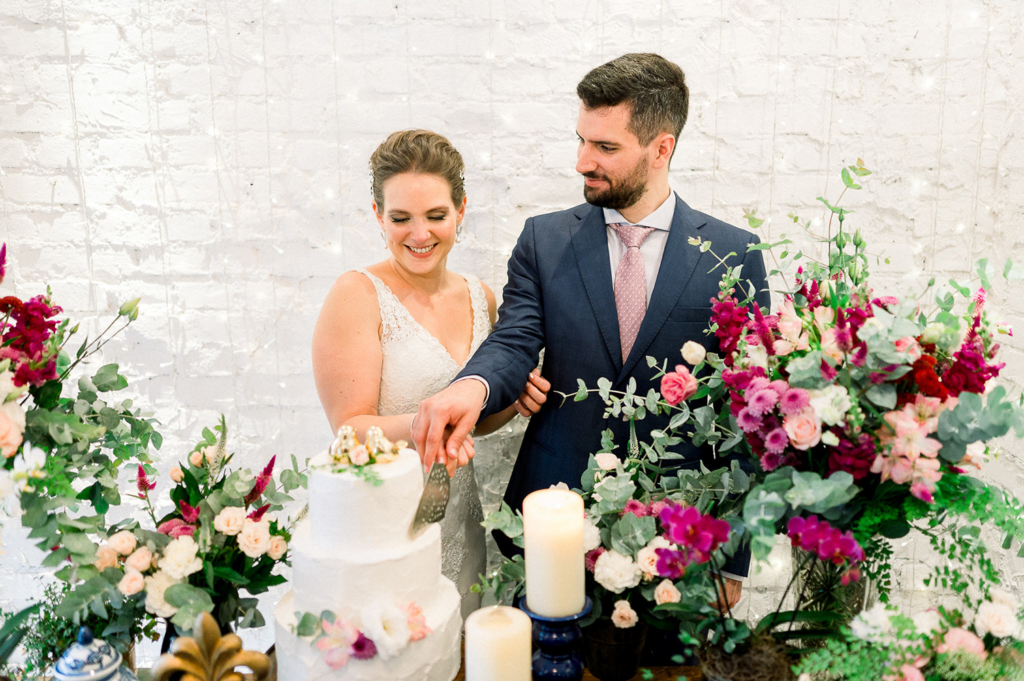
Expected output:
(395, 616)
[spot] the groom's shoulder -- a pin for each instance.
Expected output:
(569, 216)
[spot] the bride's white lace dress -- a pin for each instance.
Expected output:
(415, 367)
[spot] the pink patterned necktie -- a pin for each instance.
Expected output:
(630, 284)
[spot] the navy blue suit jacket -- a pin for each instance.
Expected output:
(559, 296)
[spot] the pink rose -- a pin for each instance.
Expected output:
(106, 557)
(123, 542)
(909, 346)
(623, 616)
(606, 461)
(278, 547)
(666, 592)
(10, 436)
(360, 456)
(911, 673)
(140, 559)
(803, 429)
(132, 582)
(961, 639)
(177, 475)
(678, 385)
(196, 459)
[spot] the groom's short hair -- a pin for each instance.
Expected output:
(654, 87)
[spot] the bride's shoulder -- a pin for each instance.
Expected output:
(352, 295)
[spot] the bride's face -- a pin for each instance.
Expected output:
(419, 220)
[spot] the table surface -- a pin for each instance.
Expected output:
(660, 674)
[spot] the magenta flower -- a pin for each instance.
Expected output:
(770, 461)
(828, 372)
(748, 421)
(794, 401)
(257, 514)
(657, 507)
(827, 542)
(776, 440)
(590, 560)
(363, 648)
(189, 513)
(688, 528)
(672, 564)
(920, 490)
(143, 483)
(176, 527)
(637, 508)
(761, 402)
(262, 480)
(3, 262)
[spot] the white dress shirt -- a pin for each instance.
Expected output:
(653, 247)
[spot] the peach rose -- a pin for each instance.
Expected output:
(803, 429)
(961, 639)
(678, 385)
(132, 583)
(360, 456)
(230, 520)
(693, 352)
(196, 459)
(647, 557)
(177, 475)
(254, 539)
(998, 619)
(278, 547)
(106, 557)
(623, 616)
(666, 592)
(141, 559)
(123, 542)
(10, 436)
(606, 461)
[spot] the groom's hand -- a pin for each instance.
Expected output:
(456, 407)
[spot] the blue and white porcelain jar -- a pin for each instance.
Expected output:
(91, 659)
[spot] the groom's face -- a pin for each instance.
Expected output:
(613, 163)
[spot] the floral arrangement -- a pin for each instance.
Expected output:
(381, 630)
(933, 644)
(63, 442)
(217, 541)
(346, 454)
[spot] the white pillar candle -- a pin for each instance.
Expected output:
(498, 645)
(553, 533)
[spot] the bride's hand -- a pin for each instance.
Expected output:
(466, 453)
(535, 394)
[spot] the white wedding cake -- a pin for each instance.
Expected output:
(394, 615)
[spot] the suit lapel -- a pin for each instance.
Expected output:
(678, 264)
(590, 243)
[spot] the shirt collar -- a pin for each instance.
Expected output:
(661, 218)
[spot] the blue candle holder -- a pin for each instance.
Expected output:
(556, 655)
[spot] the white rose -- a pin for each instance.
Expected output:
(647, 557)
(997, 619)
(606, 461)
(278, 547)
(156, 585)
(140, 559)
(1004, 597)
(387, 626)
(16, 414)
(254, 539)
(757, 356)
(693, 352)
(180, 559)
(7, 387)
(928, 622)
(666, 592)
(623, 616)
(831, 404)
(123, 542)
(829, 438)
(230, 520)
(177, 475)
(132, 582)
(616, 572)
(106, 557)
(591, 535)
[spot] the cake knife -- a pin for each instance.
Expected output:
(433, 501)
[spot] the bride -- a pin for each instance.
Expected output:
(399, 331)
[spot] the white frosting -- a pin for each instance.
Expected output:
(343, 581)
(433, 658)
(350, 514)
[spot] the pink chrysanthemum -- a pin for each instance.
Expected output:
(794, 401)
(363, 648)
(637, 508)
(748, 421)
(590, 560)
(776, 440)
(762, 401)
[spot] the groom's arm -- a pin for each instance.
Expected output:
(504, 360)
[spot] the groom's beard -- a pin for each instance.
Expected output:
(618, 195)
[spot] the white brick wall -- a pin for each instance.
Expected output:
(211, 157)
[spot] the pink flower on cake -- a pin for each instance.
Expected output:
(803, 428)
(678, 385)
(360, 456)
(417, 622)
(363, 648)
(623, 616)
(278, 547)
(337, 641)
(123, 542)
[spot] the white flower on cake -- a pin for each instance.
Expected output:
(387, 626)
(230, 520)
(997, 619)
(180, 559)
(647, 557)
(624, 616)
(156, 585)
(616, 572)
(254, 539)
(591, 535)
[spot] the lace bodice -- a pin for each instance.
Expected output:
(416, 366)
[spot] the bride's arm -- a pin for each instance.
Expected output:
(347, 359)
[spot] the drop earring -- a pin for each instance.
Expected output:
(458, 233)
(384, 238)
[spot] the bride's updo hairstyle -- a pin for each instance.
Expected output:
(417, 151)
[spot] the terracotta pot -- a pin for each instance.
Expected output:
(611, 653)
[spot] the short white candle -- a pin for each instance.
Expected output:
(553, 533)
(498, 645)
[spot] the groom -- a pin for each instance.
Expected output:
(600, 286)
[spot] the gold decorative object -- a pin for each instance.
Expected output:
(209, 656)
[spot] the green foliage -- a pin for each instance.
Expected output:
(14, 629)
